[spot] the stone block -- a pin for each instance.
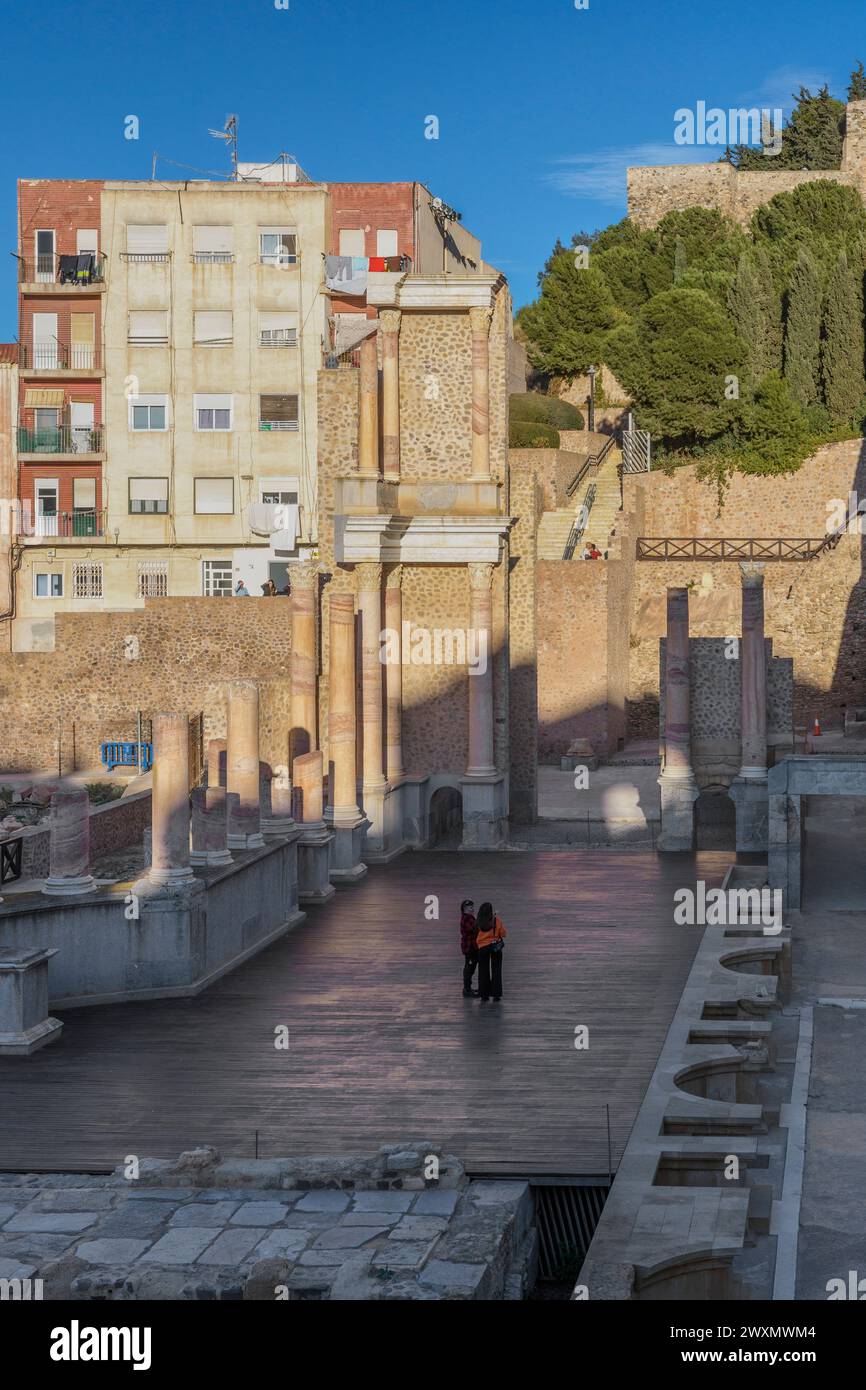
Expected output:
(259, 1214)
(324, 1201)
(232, 1247)
(180, 1246)
(52, 1221)
(453, 1280)
(203, 1214)
(110, 1252)
(347, 1237)
(25, 1024)
(382, 1201)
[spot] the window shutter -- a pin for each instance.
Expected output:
(213, 239)
(146, 241)
(386, 242)
(279, 409)
(82, 328)
(150, 326)
(352, 241)
(148, 489)
(213, 328)
(84, 493)
(275, 328)
(214, 496)
(87, 241)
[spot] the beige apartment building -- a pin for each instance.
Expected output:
(206, 339)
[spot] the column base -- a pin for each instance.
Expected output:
(60, 887)
(750, 795)
(485, 811)
(253, 841)
(347, 848)
(278, 825)
(171, 878)
(30, 1039)
(678, 797)
(314, 864)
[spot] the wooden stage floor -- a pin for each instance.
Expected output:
(382, 1045)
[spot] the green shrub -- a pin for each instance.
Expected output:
(100, 792)
(548, 410)
(532, 434)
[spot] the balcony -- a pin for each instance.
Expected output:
(63, 439)
(80, 524)
(49, 273)
(51, 356)
(333, 360)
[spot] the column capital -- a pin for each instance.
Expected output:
(394, 578)
(752, 573)
(479, 321)
(390, 320)
(480, 576)
(369, 576)
(304, 574)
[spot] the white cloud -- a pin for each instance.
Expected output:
(779, 88)
(602, 176)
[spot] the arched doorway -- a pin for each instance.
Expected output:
(446, 818)
(715, 819)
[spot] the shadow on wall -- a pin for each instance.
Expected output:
(446, 818)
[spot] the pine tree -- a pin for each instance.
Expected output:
(857, 85)
(803, 331)
(842, 347)
(756, 310)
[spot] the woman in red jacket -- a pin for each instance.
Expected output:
(490, 941)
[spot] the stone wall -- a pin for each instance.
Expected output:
(88, 690)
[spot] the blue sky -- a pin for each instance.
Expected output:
(541, 106)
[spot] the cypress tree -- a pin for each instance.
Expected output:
(756, 310)
(842, 345)
(803, 331)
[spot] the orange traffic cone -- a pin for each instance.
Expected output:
(816, 728)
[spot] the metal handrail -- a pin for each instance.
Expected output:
(593, 463)
(580, 522)
(63, 439)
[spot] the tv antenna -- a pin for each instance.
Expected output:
(229, 133)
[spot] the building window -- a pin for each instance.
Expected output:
(212, 412)
(48, 584)
(214, 496)
(44, 248)
(87, 241)
(146, 243)
(148, 413)
(148, 496)
(386, 242)
(212, 245)
(153, 579)
(278, 330)
(82, 344)
(217, 578)
(278, 246)
(352, 241)
(278, 412)
(148, 328)
(213, 328)
(86, 581)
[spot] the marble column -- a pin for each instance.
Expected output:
(216, 762)
(69, 845)
(316, 841)
(480, 677)
(677, 782)
(305, 601)
(479, 321)
(343, 814)
(245, 831)
(394, 674)
(170, 866)
(749, 788)
(368, 420)
(209, 826)
(389, 321)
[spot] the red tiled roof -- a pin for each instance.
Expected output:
(8, 352)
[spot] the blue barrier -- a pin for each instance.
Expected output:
(125, 754)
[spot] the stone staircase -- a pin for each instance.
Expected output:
(555, 526)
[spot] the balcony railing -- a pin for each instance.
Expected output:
(80, 523)
(334, 360)
(53, 356)
(64, 439)
(48, 269)
(278, 424)
(279, 338)
(145, 257)
(213, 257)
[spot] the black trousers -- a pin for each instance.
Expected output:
(490, 973)
(470, 962)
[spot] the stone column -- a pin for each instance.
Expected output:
(316, 841)
(70, 843)
(372, 672)
(209, 826)
(245, 831)
(170, 866)
(25, 1024)
(389, 321)
(479, 321)
(281, 799)
(305, 600)
(216, 762)
(368, 420)
(749, 788)
(394, 674)
(678, 789)
(343, 813)
(480, 678)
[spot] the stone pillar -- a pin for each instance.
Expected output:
(70, 843)
(749, 788)
(281, 818)
(343, 813)
(479, 321)
(170, 866)
(245, 830)
(372, 682)
(209, 826)
(389, 321)
(394, 674)
(677, 781)
(305, 601)
(216, 762)
(25, 1024)
(368, 420)
(481, 678)
(316, 841)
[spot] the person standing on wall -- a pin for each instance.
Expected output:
(490, 940)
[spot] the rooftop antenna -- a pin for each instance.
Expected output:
(229, 133)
